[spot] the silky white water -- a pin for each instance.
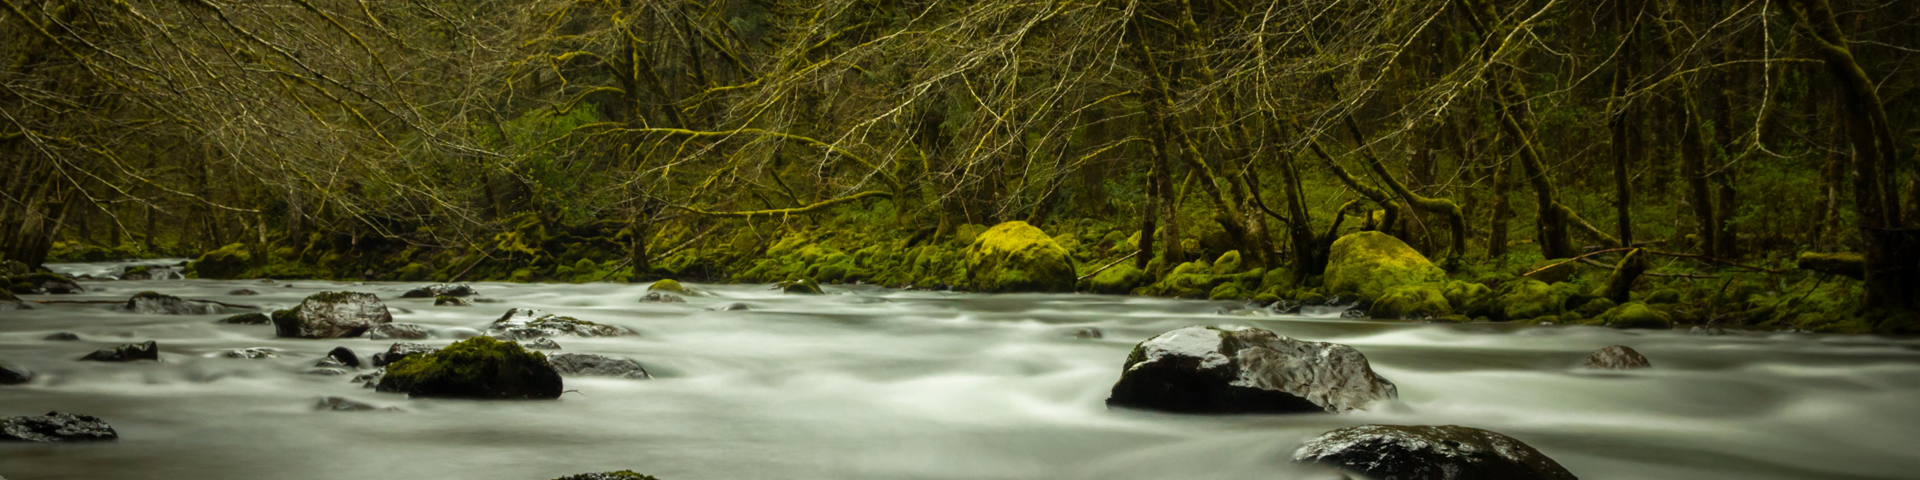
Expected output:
(869, 383)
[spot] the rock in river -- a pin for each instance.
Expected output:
(450, 301)
(342, 404)
(127, 353)
(398, 331)
(256, 353)
(1616, 357)
(62, 336)
(479, 367)
(254, 318)
(1448, 452)
(658, 297)
(620, 475)
(587, 364)
(440, 290)
(1210, 370)
(14, 375)
(331, 315)
(56, 427)
(527, 323)
(400, 350)
(345, 356)
(152, 303)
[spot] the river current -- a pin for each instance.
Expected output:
(872, 383)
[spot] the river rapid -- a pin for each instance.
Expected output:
(871, 383)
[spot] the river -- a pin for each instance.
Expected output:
(872, 383)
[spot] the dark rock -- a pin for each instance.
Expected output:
(243, 291)
(14, 375)
(256, 353)
(1616, 357)
(804, 286)
(657, 297)
(1354, 313)
(152, 303)
(731, 307)
(1706, 331)
(479, 367)
(254, 318)
(450, 301)
(63, 337)
(330, 371)
(591, 365)
(151, 272)
(440, 290)
(345, 356)
(127, 353)
(41, 282)
(620, 475)
(526, 323)
(400, 350)
(1088, 333)
(541, 344)
(331, 315)
(398, 331)
(1209, 370)
(1448, 452)
(370, 379)
(340, 404)
(56, 427)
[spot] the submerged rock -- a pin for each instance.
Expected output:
(731, 307)
(1447, 452)
(341, 404)
(619, 475)
(254, 318)
(150, 272)
(332, 315)
(587, 364)
(541, 344)
(256, 353)
(674, 287)
(126, 353)
(14, 375)
(479, 367)
(1616, 357)
(1017, 257)
(1367, 264)
(243, 292)
(448, 301)
(527, 323)
(154, 303)
(657, 297)
(1209, 370)
(62, 336)
(56, 427)
(440, 290)
(400, 350)
(1086, 333)
(345, 356)
(399, 331)
(370, 379)
(804, 286)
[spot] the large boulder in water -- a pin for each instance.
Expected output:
(126, 353)
(440, 290)
(1210, 370)
(478, 367)
(154, 303)
(56, 427)
(527, 323)
(331, 315)
(1017, 257)
(1367, 264)
(1448, 452)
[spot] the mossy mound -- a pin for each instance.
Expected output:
(1635, 315)
(1367, 264)
(1120, 280)
(668, 285)
(1527, 298)
(1017, 257)
(478, 367)
(229, 262)
(1411, 302)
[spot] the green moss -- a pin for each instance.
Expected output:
(1016, 257)
(800, 287)
(667, 285)
(1635, 315)
(1460, 295)
(1227, 263)
(1120, 279)
(229, 262)
(1411, 302)
(1527, 298)
(1663, 296)
(1596, 307)
(1366, 264)
(1228, 291)
(478, 367)
(413, 272)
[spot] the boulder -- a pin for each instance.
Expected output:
(440, 290)
(398, 331)
(331, 315)
(345, 356)
(1616, 357)
(804, 286)
(1411, 302)
(674, 287)
(1447, 452)
(1118, 280)
(450, 301)
(400, 350)
(14, 375)
(62, 336)
(527, 323)
(56, 427)
(1635, 315)
(590, 365)
(479, 367)
(256, 353)
(1528, 298)
(620, 475)
(255, 318)
(370, 379)
(657, 297)
(1211, 370)
(154, 303)
(126, 353)
(1017, 257)
(1367, 264)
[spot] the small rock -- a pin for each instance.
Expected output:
(340, 404)
(657, 297)
(1616, 357)
(1446, 452)
(255, 318)
(440, 290)
(56, 427)
(327, 371)
(62, 337)
(1354, 313)
(345, 356)
(484, 300)
(243, 291)
(126, 353)
(731, 307)
(805, 286)
(398, 331)
(152, 303)
(1706, 331)
(12, 375)
(256, 353)
(370, 379)
(1210, 370)
(672, 286)
(526, 323)
(591, 365)
(450, 301)
(400, 350)
(541, 344)
(1087, 333)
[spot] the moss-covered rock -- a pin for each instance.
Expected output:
(1527, 298)
(1461, 295)
(231, 261)
(669, 286)
(1635, 315)
(1017, 257)
(1229, 291)
(1366, 264)
(1119, 280)
(1664, 295)
(1227, 263)
(478, 367)
(1411, 302)
(1596, 307)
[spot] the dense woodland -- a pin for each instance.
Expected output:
(1759, 154)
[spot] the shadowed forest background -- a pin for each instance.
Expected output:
(1751, 163)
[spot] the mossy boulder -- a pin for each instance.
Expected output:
(668, 286)
(254, 318)
(1017, 257)
(478, 367)
(1411, 302)
(1462, 295)
(1227, 263)
(231, 261)
(1636, 315)
(1663, 296)
(1367, 264)
(1527, 298)
(1120, 279)
(1229, 291)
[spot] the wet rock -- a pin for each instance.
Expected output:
(527, 323)
(1354, 313)
(1017, 257)
(331, 315)
(804, 286)
(56, 427)
(1448, 452)
(41, 282)
(341, 404)
(479, 367)
(255, 318)
(398, 331)
(1210, 370)
(400, 350)
(541, 344)
(243, 292)
(126, 353)
(328, 371)
(256, 353)
(620, 475)
(440, 290)
(1616, 357)
(330, 362)
(62, 337)
(154, 303)
(1087, 333)
(370, 379)
(591, 365)
(14, 374)
(345, 356)
(1367, 264)
(657, 297)
(450, 301)
(731, 307)
(150, 272)
(670, 286)
(1707, 331)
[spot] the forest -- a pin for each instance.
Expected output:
(1741, 164)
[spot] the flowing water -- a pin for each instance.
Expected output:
(869, 383)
